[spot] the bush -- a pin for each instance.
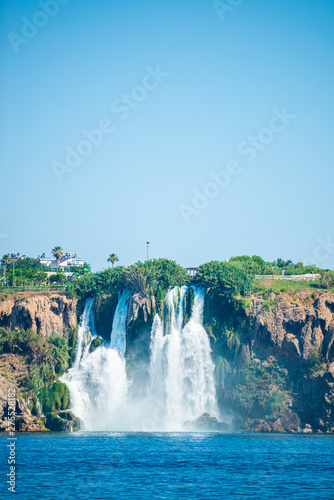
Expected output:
(316, 362)
(33, 381)
(225, 279)
(59, 352)
(104, 282)
(54, 397)
(154, 276)
(57, 278)
(48, 357)
(162, 275)
(21, 341)
(258, 391)
(254, 264)
(327, 279)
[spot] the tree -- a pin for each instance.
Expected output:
(57, 278)
(138, 281)
(5, 261)
(57, 252)
(285, 263)
(163, 274)
(225, 279)
(113, 258)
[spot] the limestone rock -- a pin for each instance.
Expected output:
(44, 313)
(293, 329)
(206, 423)
(288, 422)
(24, 420)
(139, 302)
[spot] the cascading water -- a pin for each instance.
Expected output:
(98, 382)
(84, 336)
(181, 372)
(197, 365)
(181, 368)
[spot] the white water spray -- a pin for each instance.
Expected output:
(181, 372)
(181, 368)
(85, 330)
(98, 383)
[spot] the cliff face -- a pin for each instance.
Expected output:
(299, 333)
(42, 313)
(293, 327)
(274, 358)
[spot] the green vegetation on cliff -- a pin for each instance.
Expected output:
(151, 278)
(225, 280)
(54, 397)
(327, 280)
(256, 265)
(161, 274)
(47, 357)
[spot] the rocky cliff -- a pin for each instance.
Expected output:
(299, 333)
(291, 327)
(13, 369)
(42, 313)
(276, 364)
(274, 354)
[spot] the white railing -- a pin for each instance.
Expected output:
(296, 277)
(28, 288)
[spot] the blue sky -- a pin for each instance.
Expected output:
(223, 79)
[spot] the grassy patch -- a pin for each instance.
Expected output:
(278, 286)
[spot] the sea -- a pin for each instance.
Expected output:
(137, 466)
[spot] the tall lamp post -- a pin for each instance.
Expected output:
(147, 245)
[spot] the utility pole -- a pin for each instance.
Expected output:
(13, 272)
(147, 244)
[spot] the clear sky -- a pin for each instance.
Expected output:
(216, 119)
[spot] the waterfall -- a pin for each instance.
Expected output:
(98, 383)
(118, 331)
(197, 365)
(181, 372)
(86, 326)
(173, 353)
(181, 368)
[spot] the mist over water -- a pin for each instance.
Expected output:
(180, 386)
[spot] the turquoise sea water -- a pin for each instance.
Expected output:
(170, 466)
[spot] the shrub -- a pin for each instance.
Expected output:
(54, 397)
(225, 279)
(59, 352)
(48, 357)
(33, 381)
(316, 362)
(162, 275)
(57, 278)
(327, 279)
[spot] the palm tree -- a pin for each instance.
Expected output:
(139, 282)
(57, 252)
(5, 261)
(113, 258)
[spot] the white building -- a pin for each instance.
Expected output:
(64, 263)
